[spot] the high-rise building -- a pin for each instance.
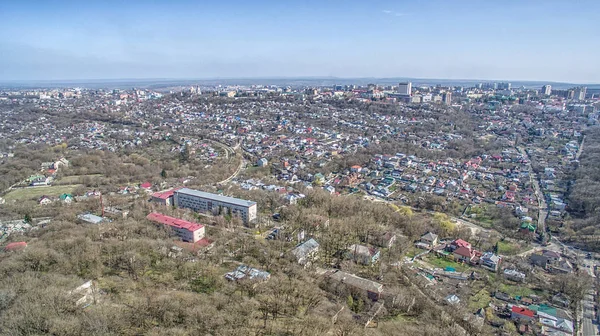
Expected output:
(447, 98)
(490, 86)
(504, 86)
(579, 93)
(547, 90)
(405, 88)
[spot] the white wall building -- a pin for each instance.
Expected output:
(405, 88)
(216, 204)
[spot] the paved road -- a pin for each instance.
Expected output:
(589, 329)
(580, 148)
(587, 325)
(542, 206)
(232, 150)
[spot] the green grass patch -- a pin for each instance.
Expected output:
(480, 300)
(445, 262)
(76, 179)
(516, 290)
(508, 248)
(37, 192)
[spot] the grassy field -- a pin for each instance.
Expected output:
(37, 192)
(515, 290)
(480, 300)
(75, 179)
(444, 262)
(508, 248)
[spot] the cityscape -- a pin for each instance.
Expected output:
(474, 182)
(266, 168)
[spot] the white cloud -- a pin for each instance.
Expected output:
(393, 13)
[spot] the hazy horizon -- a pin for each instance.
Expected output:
(184, 39)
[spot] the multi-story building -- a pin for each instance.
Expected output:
(447, 98)
(568, 94)
(546, 90)
(405, 88)
(580, 93)
(187, 231)
(504, 86)
(489, 86)
(216, 204)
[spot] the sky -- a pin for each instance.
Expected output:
(541, 40)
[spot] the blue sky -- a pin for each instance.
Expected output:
(458, 39)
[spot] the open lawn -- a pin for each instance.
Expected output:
(444, 262)
(515, 290)
(508, 248)
(480, 300)
(37, 192)
(74, 179)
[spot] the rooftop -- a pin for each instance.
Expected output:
(357, 281)
(303, 249)
(164, 194)
(216, 197)
(91, 218)
(174, 222)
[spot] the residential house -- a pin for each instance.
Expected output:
(92, 219)
(552, 255)
(67, 198)
(513, 275)
(44, 200)
(246, 272)
(563, 266)
(263, 162)
(39, 180)
(356, 169)
(552, 325)
(306, 252)
(540, 260)
(329, 189)
(502, 296)
(521, 314)
(452, 299)
(462, 250)
(490, 261)
(291, 198)
(383, 239)
(527, 228)
(429, 240)
(363, 254)
(373, 289)
(561, 299)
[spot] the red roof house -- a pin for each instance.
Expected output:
(460, 243)
(146, 185)
(521, 313)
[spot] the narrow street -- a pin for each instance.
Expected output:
(542, 206)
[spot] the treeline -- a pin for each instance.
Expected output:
(584, 195)
(142, 289)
